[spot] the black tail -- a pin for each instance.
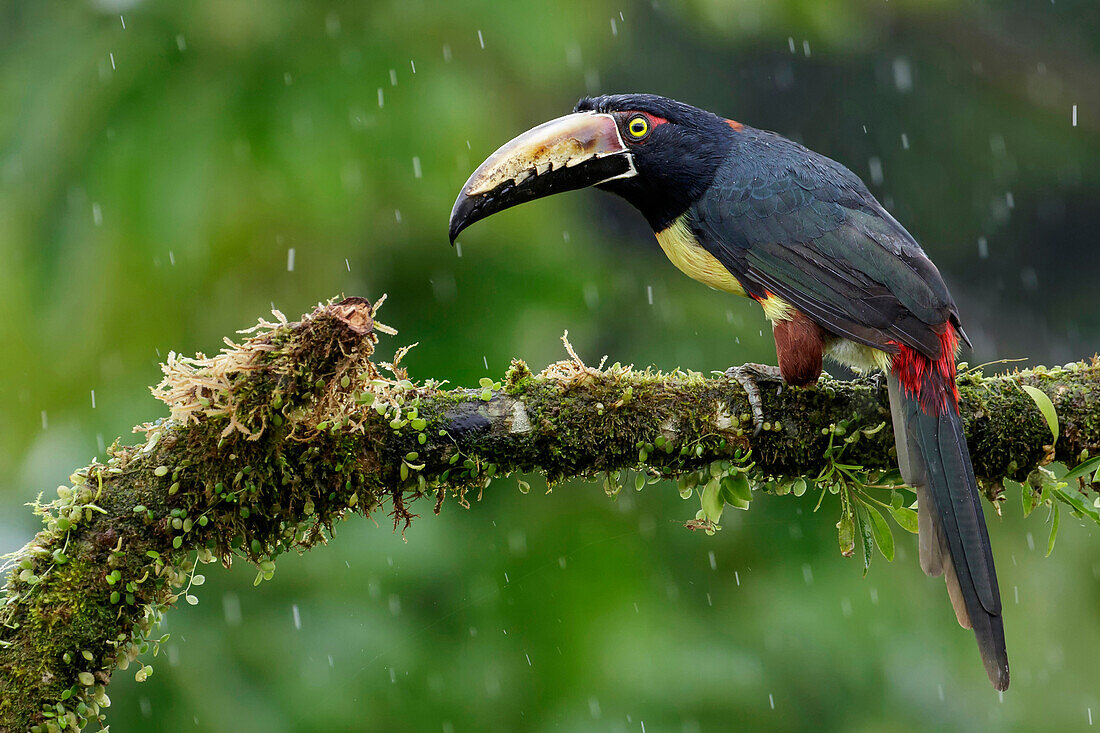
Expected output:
(953, 539)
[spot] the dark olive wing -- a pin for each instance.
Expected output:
(789, 222)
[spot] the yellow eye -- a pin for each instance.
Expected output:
(638, 126)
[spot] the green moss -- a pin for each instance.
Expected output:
(304, 430)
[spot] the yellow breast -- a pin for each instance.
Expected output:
(681, 247)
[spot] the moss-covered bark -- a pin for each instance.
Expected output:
(272, 441)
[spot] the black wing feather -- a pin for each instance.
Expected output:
(795, 224)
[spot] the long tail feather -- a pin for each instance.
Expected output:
(935, 461)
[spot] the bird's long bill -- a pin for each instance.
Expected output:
(576, 151)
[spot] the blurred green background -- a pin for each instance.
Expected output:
(159, 161)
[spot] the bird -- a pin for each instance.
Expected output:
(752, 213)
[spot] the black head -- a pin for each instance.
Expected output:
(657, 153)
(676, 158)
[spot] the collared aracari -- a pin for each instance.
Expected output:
(749, 212)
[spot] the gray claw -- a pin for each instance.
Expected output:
(746, 376)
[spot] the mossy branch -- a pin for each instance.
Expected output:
(274, 440)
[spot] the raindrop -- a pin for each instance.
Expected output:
(381, 99)
(458, 248)
(1029, 278)
(649, 293)
(713, 562)
(614, 28)
(146, 707)
(416, 167)
(592, 80)
(904, 141)
(446, 53)
(332, 25)
(45, 422)
(594, 707)
(790, 42)
(903, 75)
(480, 39)
(997, 144)
(561, 562)
(181, 42)
(506, 581)
(290, 260)
(528, 659)
(807, 574)
(97, 215)
(393, 77)
(331, 663)
(393, 676)
(100, 443)
(112, 61)
(771, 701)
(413, 65)
(737, 578)
(397, 215)
(874, 165)
(591, 296)
(710, 602)
(874, 596)
(297, 617)
(806, 49)
(983, 247)
(231, 609)
(347, 263)
(485, 361)
(1089, 709)
(172, 258)
(1075, 125)
(845, 607)
(93, 399)
(573, 56)
(123, 22)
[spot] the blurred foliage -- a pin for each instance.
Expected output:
(159, 161)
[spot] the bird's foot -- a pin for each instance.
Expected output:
(746, 375)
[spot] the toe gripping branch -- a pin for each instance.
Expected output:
(746, 375)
